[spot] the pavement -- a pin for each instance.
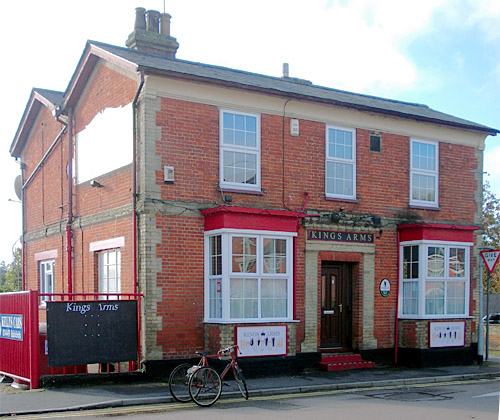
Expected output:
(73, 395)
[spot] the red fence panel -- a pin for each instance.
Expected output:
(19, 353)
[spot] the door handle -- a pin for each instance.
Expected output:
(340, 307)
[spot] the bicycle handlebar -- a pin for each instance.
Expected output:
(229, 349)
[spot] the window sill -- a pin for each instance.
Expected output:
(424, 207)
(434, 318)
(238, 191)
(251, 321)
(345, 199)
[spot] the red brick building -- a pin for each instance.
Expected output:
(290, 218)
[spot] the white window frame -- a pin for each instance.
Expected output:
(46, 268)
(345, 161)
(256, 151)
(424, 172)
(104, 282)
(423, 278)
(225, 278)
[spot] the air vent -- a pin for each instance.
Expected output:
(375, 143)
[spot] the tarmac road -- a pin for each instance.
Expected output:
(474, 399)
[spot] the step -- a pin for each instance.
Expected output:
(344, 357)
(344, 361)
(328, 367)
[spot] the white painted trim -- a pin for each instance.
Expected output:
(107, 244)
(342, 160)
(240, 149)
(430, 173)
(46, 255)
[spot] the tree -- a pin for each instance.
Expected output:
(491, 228)
(3, 273)
(13, 275)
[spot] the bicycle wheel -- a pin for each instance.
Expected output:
(178, 383)
(205, 386)
(240, 381)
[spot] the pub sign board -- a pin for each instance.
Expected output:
(335, 236)
(86, 332)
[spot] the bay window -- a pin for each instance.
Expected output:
(434, 279)
(248, 276)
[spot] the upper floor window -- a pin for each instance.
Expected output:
(248, 276)
(110, 271)
(340, 177)
(46, 272)
(239, 150)
(434, 280)
(424, 176)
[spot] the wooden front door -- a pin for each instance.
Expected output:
(336, 306)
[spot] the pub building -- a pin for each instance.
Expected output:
(294, 220)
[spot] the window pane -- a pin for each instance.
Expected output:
(244, 257)
(275, 256)
(340, 144)
(410, 298)
(457, 262)
(215, 298)
(240, 167)
(339, 178)
(109, 271)
(215, 255)
(455, 298)
(423, 187)
(435, 261)
(424, 156)
(274, 298)
(410, 262)
(434, 298)
(243, 298)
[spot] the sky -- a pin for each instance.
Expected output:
(442, 53)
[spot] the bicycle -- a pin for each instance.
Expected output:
(201, 383)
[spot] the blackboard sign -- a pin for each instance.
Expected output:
(80, 333)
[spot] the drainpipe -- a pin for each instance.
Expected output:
(396, 333)
(134, 176)
(69, 232)
(23, 227)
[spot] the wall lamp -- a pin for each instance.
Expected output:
(336, 217)
(95, 183)
(228, 199)
(376, 220)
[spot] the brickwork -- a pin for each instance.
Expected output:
(170, 229)
(98, 213)
(414, 334)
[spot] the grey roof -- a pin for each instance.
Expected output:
(290, 88)
(52, 96)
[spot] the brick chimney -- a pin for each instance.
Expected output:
(152, 33)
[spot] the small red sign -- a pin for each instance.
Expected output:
(490, 258)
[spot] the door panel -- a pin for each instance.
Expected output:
(335, 306)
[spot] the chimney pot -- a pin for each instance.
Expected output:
(153, 21)
(165, 24)
(286, 71)
(140, 18)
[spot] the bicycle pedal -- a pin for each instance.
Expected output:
(225, 384)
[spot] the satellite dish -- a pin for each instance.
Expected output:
(18, 185)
